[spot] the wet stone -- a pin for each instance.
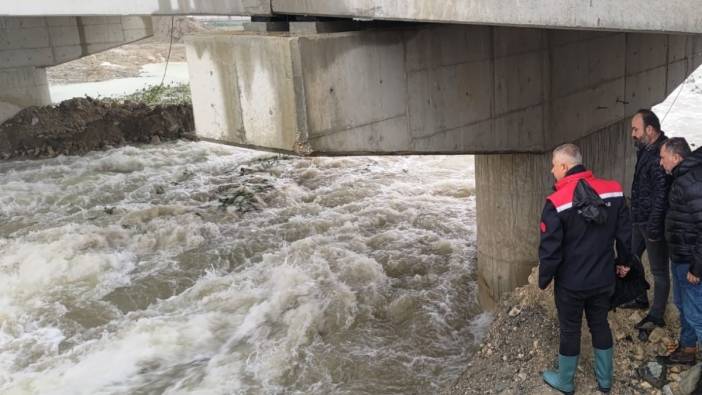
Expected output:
(656, 335)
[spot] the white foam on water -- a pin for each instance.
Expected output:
(124, 273)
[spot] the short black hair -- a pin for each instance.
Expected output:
(677, 145)
(650, 119)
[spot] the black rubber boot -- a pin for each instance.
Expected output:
(679, 357)
(650, 323)
(640, 303)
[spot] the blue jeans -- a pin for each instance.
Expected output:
(688, 300)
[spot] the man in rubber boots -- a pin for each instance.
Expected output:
(683, 225)
(580, 223)
(649, 201)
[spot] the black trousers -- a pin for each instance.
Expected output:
(571, 304)
(660, 268)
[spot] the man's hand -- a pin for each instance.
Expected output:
(547, 286)
(692, 279)
(652, 235)
(622, 271)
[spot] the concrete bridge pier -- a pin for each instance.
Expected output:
(511, 191)
(22, 87)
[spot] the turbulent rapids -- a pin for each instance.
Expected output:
(199, 268)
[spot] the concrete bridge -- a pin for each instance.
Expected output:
(506, 80)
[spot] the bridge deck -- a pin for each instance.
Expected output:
(676, 16)
(681, 16)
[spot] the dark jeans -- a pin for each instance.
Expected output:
(570, 305)
(688, 299)
(660, 268)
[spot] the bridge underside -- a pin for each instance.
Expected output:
(631, 15)
(428, 88)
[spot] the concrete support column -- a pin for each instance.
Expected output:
(511, 191)
(22, 87)
(510, 194)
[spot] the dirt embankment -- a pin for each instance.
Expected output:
(123, 62)
(81, 125)
(523, 342)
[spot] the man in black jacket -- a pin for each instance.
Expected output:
(579, 225)
(683, 226)
(649, 197)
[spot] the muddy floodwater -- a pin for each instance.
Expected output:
(201, 268)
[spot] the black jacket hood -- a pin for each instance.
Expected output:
(692, 161)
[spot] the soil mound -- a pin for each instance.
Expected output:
(80, 125)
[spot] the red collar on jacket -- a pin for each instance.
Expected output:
(573, 178)
(562, 198)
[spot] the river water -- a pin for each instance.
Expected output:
(206, 269)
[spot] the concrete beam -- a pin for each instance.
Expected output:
(429, 89)
(241, 88)
(318, 27)
(267, 27)
(48, 41)
(680, 16)
(134, 7)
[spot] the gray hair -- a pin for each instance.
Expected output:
(569, 152)
(677, 146)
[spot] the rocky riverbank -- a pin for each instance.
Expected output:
(523, 341)
(81, 125)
